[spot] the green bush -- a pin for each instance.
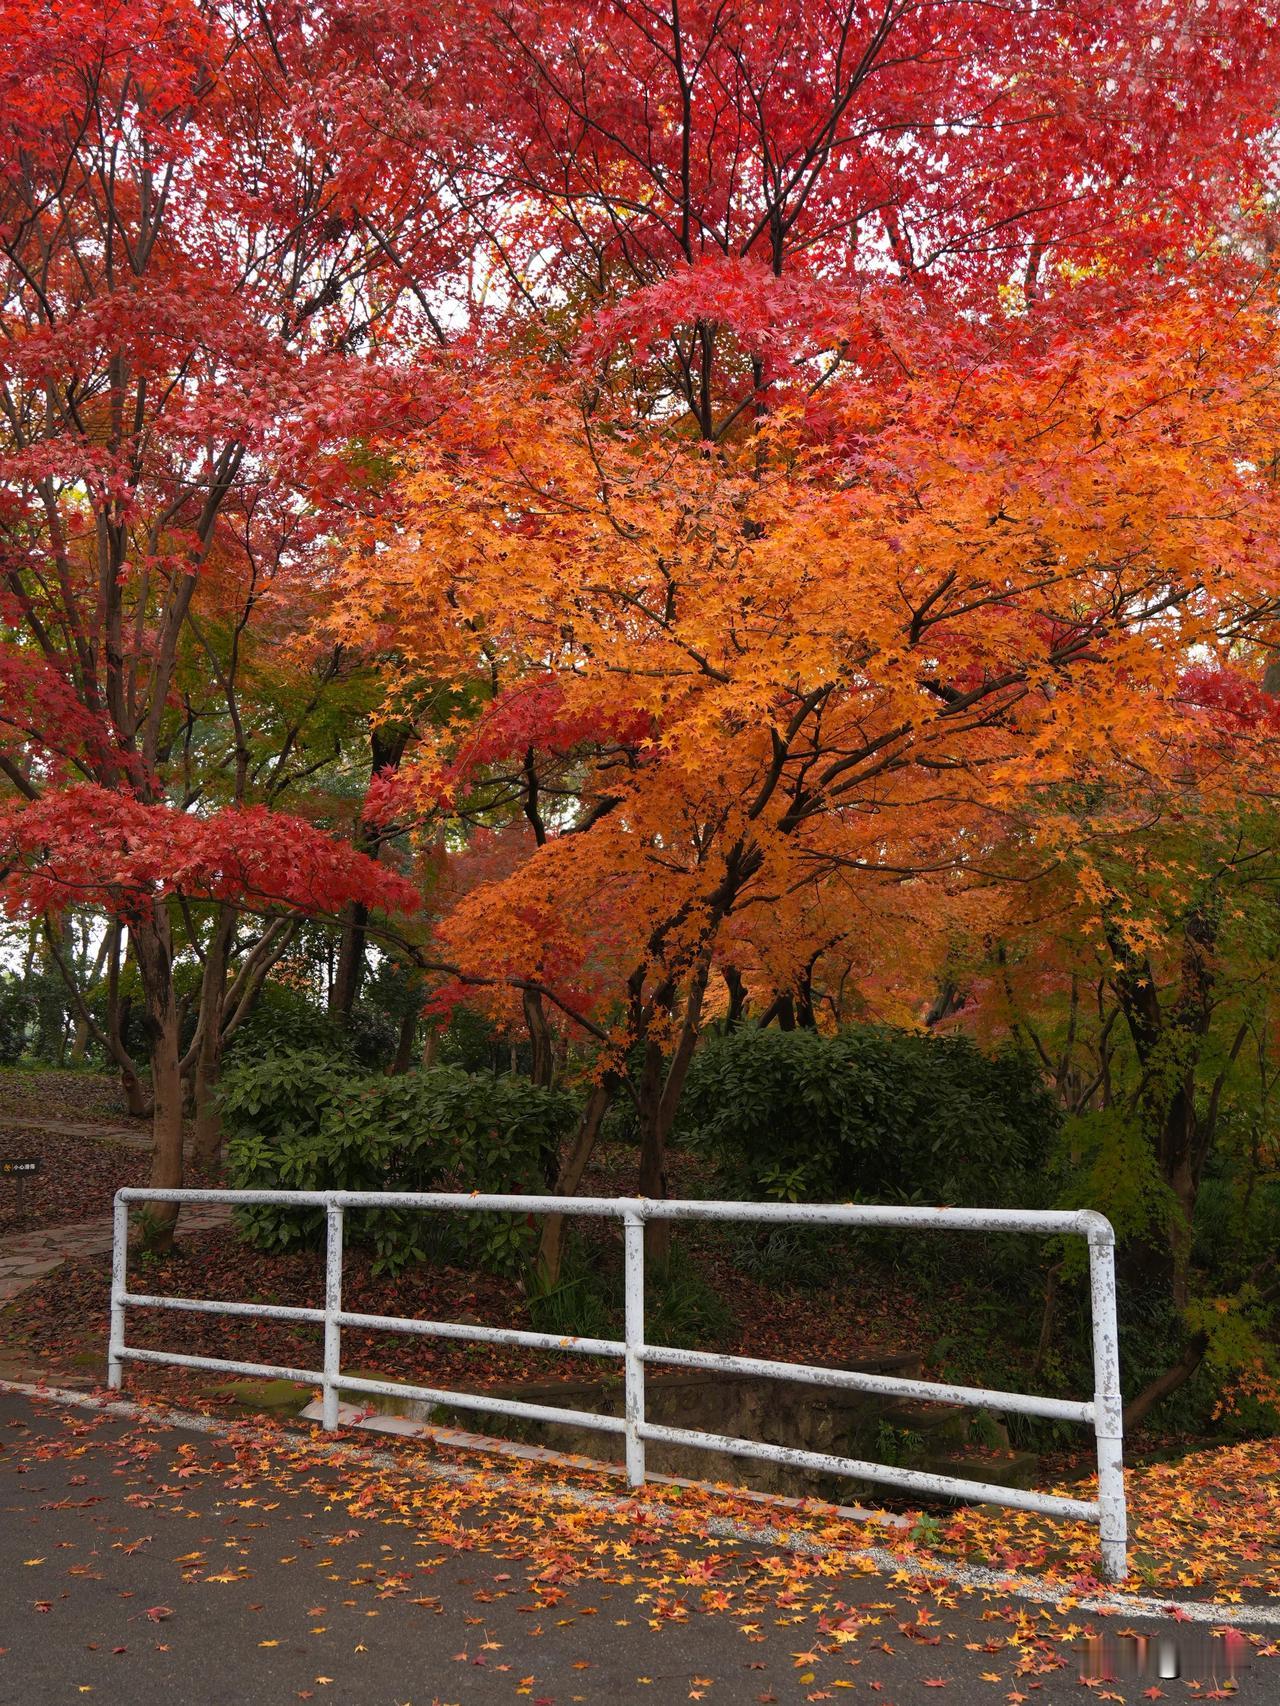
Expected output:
(284, 1019)
(305, 1121)
(870, 1114)
(281, 1094)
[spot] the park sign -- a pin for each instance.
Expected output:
(19, 1170)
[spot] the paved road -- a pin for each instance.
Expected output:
(142, 1564)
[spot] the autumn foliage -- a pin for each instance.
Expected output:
(772, 460)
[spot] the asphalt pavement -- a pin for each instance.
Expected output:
(150, 1566)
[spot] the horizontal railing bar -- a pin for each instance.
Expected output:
(492, 1404)
(383, 1323)
(887, 1385)
(484, 1335)
(613, 1207)
(223, 1365)
(1080, 1222)
(385, 1389)
(216, 1306)
(1046, 1221)
(914, 1480)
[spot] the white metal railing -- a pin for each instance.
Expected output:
(1102, 1411)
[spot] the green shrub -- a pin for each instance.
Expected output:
(282, 1093)
(307, 1122)
(285, 1019)
(870, 1114)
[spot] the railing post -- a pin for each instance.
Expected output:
(332, 1308)
(633, 1335)
(119, 1264)
(1108, 1420)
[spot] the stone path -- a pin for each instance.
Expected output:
(29, 1256)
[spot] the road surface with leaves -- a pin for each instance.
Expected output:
(147, 1563)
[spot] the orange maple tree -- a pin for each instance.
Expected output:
(741, 693)
(868, 441)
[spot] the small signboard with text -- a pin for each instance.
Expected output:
(19, 1170)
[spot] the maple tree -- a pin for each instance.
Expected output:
(811, 665)
(214, 223)
(867, 439)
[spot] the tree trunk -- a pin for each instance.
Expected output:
(166, 1126)
(430, 1047)
(780, 1011)
(653, 1157)
(737, 997)
(206, 1142)
(403, 1057)
(137, 1100)
(658, 1098)
(386, 749)
(551, 1244)
(80, 1041)
(111, 1038)
(1137, 1409)
(206, 1148)
(542, 1069)
(1168, 1382)
(1186, 1188)
(153, 947)
(350, 969)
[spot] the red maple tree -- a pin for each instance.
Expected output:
(218, 230)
